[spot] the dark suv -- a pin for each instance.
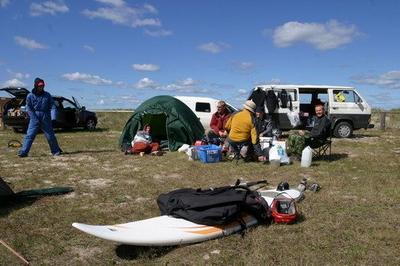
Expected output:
(69, 113)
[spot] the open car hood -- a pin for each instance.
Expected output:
(15, 91)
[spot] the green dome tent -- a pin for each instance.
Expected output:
(169, 118)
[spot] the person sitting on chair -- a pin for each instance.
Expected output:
(243, 133)
(265, 126)
(218, 122)
(320, 131)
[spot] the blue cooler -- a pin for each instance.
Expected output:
(209, 153)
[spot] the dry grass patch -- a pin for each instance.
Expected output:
(354, 219)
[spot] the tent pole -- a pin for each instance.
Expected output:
(14, 252)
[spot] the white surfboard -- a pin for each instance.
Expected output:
(168, 231)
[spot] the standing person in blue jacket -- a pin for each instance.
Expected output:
(39, 105)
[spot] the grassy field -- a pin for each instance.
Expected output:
(353, 219)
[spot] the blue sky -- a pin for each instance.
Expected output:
(118, 53)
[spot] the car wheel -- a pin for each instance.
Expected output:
(90, 124)
(343, 130)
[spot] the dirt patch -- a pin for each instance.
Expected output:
(141, 200)
(362, 139)
(82, 254)
(168, 176)
(97, 183)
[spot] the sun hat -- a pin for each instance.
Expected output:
(249, 105)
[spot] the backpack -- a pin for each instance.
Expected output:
(215, 206)
(272, 101)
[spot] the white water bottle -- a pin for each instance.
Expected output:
(306, 157)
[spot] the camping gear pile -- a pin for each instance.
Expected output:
(195, 215)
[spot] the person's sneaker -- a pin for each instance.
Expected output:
(21, 155)
(57, 153)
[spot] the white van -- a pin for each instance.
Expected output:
(203, 107)
(345, 107)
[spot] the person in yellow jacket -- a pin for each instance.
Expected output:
(242, 132)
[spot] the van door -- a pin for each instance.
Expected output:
(292, 105)
(348, 105)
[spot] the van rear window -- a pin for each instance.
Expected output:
(203, 107)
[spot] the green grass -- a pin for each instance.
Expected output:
(354, 219)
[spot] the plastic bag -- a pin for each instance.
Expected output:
(277, 152)
(273, 153)
(294, 118)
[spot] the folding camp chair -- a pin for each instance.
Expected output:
(325, 149)
(236, 148)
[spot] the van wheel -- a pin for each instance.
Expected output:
(90, 124)
(343, 130)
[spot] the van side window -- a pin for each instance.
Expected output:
(203, 107)
(346, 96)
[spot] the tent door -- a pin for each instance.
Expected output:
(158, 125)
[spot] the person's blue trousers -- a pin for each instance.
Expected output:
(42, 121)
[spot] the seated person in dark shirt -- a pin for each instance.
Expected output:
(316, 137)
(265, 126)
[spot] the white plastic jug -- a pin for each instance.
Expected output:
(306, 157)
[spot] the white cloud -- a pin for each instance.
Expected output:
(188, 82)
(245, 65)
(242, 92)
(389, 79)
(13, 83)
(29, 43)
(87, 78)
(117, 101)
(18, 75)
(150, 8)
(146, 83)
(4, 3)
(326, 36)
(213, 47)
(112, 2)
(48, 7)
(158, 33)
(145, 67)
(187, 85)
(22, 75)
(273, 81)
(118, 12)
(129, 99)
(89, 48)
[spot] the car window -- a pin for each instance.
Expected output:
(57, 104)
(345, 96)
(323, 97)
(305, 98)
(203, 107)
(68, 105)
